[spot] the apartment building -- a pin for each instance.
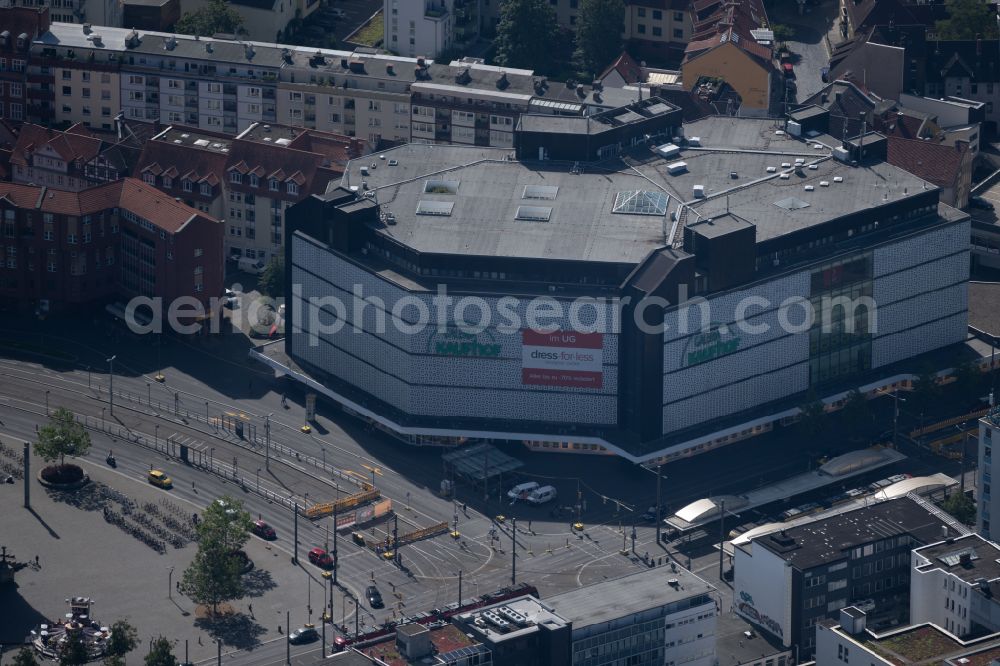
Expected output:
(469, 103)
(266, 20)
(65, 249)
(248, 181)
(430, 27)
(18, 27)
(361, 94)
(98, 12)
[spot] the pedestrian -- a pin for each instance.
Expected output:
(250, 607)
(37, 564)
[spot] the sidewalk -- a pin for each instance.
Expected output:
(80, 554)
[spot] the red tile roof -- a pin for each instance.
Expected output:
(76, 143)
(627, 68)
(162, 210)
(934, 162)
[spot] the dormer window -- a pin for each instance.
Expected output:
(168, 181)
(186, 185)
(149, 178)
(293, 188)
(236, 177)
(254, 181)
(206, 189)
(273, 185)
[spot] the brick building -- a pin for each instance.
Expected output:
(64, 249)
(19, 26)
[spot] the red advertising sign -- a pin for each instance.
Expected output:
(562, 358)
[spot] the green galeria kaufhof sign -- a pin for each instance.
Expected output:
(717, 341)
(460, 343)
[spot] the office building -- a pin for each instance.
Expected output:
(988, 503)
(788, 581)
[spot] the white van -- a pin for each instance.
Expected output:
(542, 495)
(255, 266)
(522, 490)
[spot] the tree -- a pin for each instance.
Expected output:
(857, 415)
(215, 573)
(967, 19)
(73, 651)
(113, 660)
(215, 17)
(62, 436)
(123, 639)
(812, 416)
(272, 280)
(961, 507)
(25, 657)
(782, 32)
(925, 390)
(599, 34)
(968, 380)
(161, 654)
(524, 33)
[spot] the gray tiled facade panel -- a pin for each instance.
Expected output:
(920, 279)
(421, 342)
(735, 367)
(901, 315)
(461, 401)
(735, 397)
(891, 348)
(722, 309)
(503, 372)
(346, 275)
(921, 249)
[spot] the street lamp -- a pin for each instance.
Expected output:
(267, 440)
(111, 382)
(895, 414)
(659, 479)
(258, 480)
(170, 582)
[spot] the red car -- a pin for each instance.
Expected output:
(321, 558)
(263, 530)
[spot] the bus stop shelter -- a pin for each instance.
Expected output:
(481, 465)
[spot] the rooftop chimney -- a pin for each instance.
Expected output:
(853, 620)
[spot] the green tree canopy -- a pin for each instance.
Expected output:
(124, 638)
(113, 660)
(967, 19)
(73, 651)
(599, 34)
(25, 657)
(214, 575)
(272, 280)
(214, 17)
(62, 436)
(524, 33)
(813, 417)
(925, 390)
(961, 507)
(969, 380)
(161, 654)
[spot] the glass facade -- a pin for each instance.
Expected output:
(840, 339)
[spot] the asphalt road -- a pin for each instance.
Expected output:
(550, 554)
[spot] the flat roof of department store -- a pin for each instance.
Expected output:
(482, 202)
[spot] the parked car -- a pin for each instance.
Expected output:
(263, 530)
(159, 479)
(339, 13)
(321, 558)
(542, 495)
(981, 203)
(522, 490)
(374, 597)
(306, 634)
(650, 514)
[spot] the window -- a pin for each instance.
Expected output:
(678, 16)
(67, 74)
(198, 252)
(273, 185)
(293, 188)
(149, 178)
(174, 84)
(15, 90)
(17, 65)
(254, 181)
(214, 87)
(206, 189)
(253, 92)
(186, 185)
(657, 31)
(657, 15)
(678, 33)
(67, 91)
(236, 177)
(641, 12)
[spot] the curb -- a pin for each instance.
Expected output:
(76, 485)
